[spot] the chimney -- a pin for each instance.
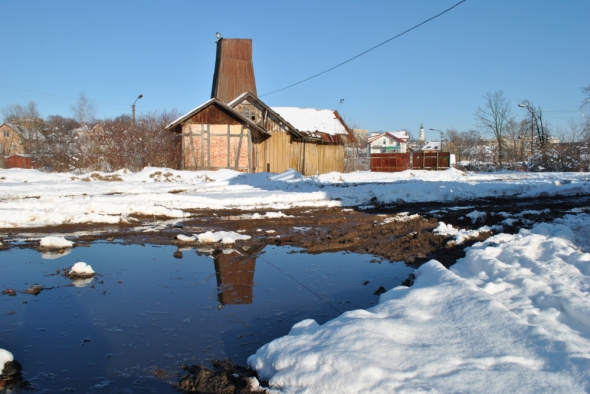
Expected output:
(234, 70)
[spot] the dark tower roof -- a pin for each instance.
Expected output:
(234, 70)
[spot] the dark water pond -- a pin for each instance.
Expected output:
(147, 309)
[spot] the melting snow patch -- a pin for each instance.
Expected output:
(5, 357)
(476, 215)
(80, 270)
(56, 243)
(401, 217)
(224, 236)
(185, 238)
(268, 215)
(459, 235)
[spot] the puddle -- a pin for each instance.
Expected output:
(148, 311)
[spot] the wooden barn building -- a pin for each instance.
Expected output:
(237, 130)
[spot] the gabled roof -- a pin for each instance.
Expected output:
(253, 97)
(432, 145)
(224, 107)
(24, 132)
(324, 123)
(386, 134)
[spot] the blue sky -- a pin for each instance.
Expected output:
(436, 75)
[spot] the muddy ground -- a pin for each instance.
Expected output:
(392, 233)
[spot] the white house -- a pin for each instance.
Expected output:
(389, 142)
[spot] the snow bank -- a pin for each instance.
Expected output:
(55, 243)
(459, 235)
(512, 316)
(5, 357)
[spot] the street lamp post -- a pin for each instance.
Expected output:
(441, 138)
(521, 105)
(133, 106)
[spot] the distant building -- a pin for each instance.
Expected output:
(431, 146)
(421, 137)
(389, 142)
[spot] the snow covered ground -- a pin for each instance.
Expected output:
(30, 198)
(512, 316)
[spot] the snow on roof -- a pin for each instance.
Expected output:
(432, 145)
(390, 134)
(402, 134)
(312, 120)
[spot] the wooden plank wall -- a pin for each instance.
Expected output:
(278, 153)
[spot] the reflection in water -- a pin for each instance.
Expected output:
(55, 254)
(79, 282)
(150, 310)
(234, 271)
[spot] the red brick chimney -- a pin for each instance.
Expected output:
(234, 70)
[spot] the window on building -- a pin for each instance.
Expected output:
(247, 112)
(13, 146)
(7, 134)
(384, 142)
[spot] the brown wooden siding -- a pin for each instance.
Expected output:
(234, 69)
(214, 115)
(394, 162)
(279, 153)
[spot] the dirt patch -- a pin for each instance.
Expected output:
(225, 377)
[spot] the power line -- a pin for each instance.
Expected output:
(367, 51)
(25, 93)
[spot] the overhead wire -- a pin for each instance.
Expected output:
(367, 51)
(26, 93)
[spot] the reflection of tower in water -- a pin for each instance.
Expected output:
(235, 275)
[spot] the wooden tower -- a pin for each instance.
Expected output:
(234, 70)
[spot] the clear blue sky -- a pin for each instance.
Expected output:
(436, 75)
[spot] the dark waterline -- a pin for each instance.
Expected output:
(147, 309)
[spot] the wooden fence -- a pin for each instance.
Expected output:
(394, 162)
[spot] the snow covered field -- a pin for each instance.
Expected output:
(513, 315)
(30, 198)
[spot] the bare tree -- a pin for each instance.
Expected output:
(84, 111)
(493, 117)
(61, 150)
(120, 143)
(538, 124)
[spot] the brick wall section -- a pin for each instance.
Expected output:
(196, 156)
